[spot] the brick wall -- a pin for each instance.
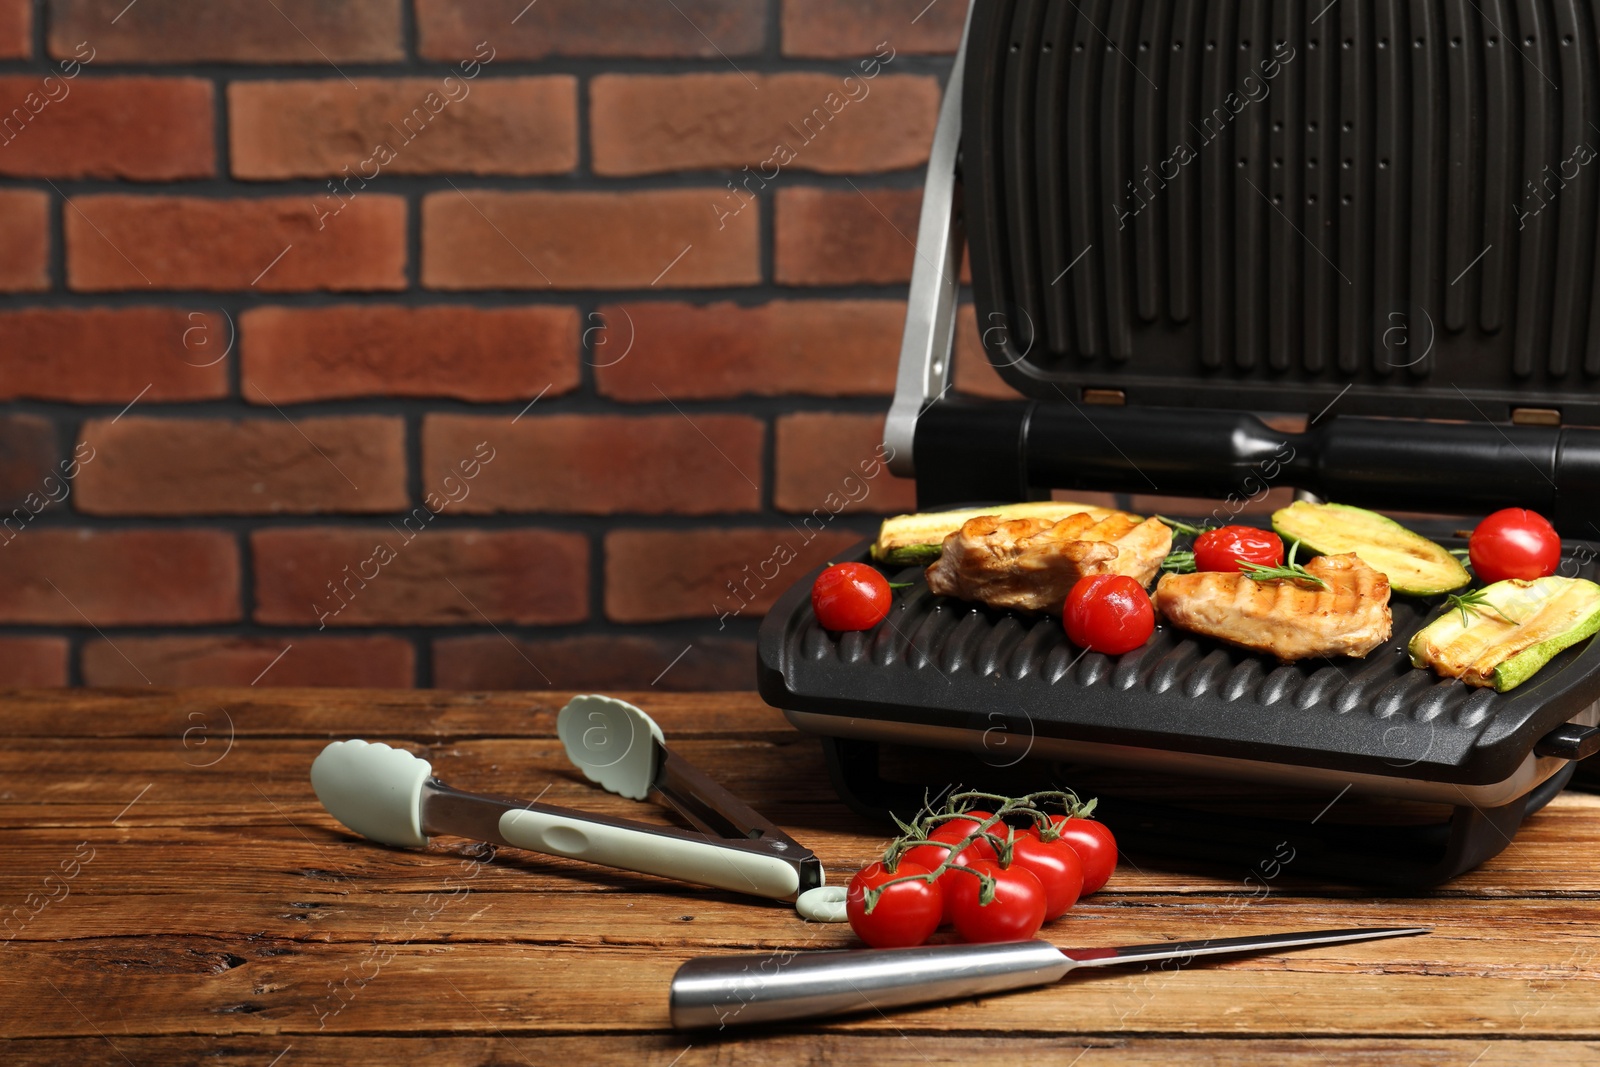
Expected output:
(431, 342)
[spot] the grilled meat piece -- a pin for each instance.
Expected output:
(1031, 564)
(1289, 619)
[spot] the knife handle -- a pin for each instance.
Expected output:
(640, 849)
(737, 990)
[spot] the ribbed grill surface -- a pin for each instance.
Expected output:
(1363, 192)
(939, 635)
(945, 662)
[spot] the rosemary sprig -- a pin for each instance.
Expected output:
(1184, 527)
(1179, 563)
(1472, 602)
(1291, 571)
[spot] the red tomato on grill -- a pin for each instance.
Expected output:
(850, 596)
(1514, 543)
(1221, 550)
(1108, 613)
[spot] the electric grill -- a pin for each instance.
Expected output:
(1183, 214)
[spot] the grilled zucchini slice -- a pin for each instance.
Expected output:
(1413, 564)
(1500, 635)
(907, 540)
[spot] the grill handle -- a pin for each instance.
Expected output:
(1570, 741)
(970, 451)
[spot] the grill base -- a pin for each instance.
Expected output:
(999, 748)
(1402, 848)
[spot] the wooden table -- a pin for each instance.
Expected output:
(176, 894)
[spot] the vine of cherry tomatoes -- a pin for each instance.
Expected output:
(995, 875)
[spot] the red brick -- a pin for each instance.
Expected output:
(706, 29)
(16, 29)
(974, 374)
(714, 573)
(855, 237)
(1220, 512)
(33, 662)
(259, 466)
(599, 464)
(28, 455)
(650, 123)
(821, 348)
(229, 31)
(146, 129)
(171, 242)
(24, 240)
(668, 238)
(360, 350)
(845, 237)
(833, 461)
(829, 29)
(594, 663)
(117, 578)
(298, 129)
(367, 662)
(515, 576)
(109, 356)
(1078, 496)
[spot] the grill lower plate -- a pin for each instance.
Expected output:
(946, 663)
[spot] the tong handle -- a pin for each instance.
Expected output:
(642, 850)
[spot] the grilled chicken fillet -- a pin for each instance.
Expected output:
(1031, 564)
(1288, 619)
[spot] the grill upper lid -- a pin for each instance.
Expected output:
(1266, 205)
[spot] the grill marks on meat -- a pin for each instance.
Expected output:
(1287, 619)
(1031, 564)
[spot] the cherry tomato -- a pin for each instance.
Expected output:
(850, 596)
(1015, 913)
(962, 826)
(1108, 613)
(1514, 543)
(1096, 848)
(907, 913)
(1057, 867)
(1221, 550)
(953, 832)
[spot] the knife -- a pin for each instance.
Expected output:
(738, 990)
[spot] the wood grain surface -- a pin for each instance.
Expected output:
(172, 892)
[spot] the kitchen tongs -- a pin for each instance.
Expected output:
(390, 795)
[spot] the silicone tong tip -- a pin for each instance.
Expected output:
(613, 743)
(374, 790)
